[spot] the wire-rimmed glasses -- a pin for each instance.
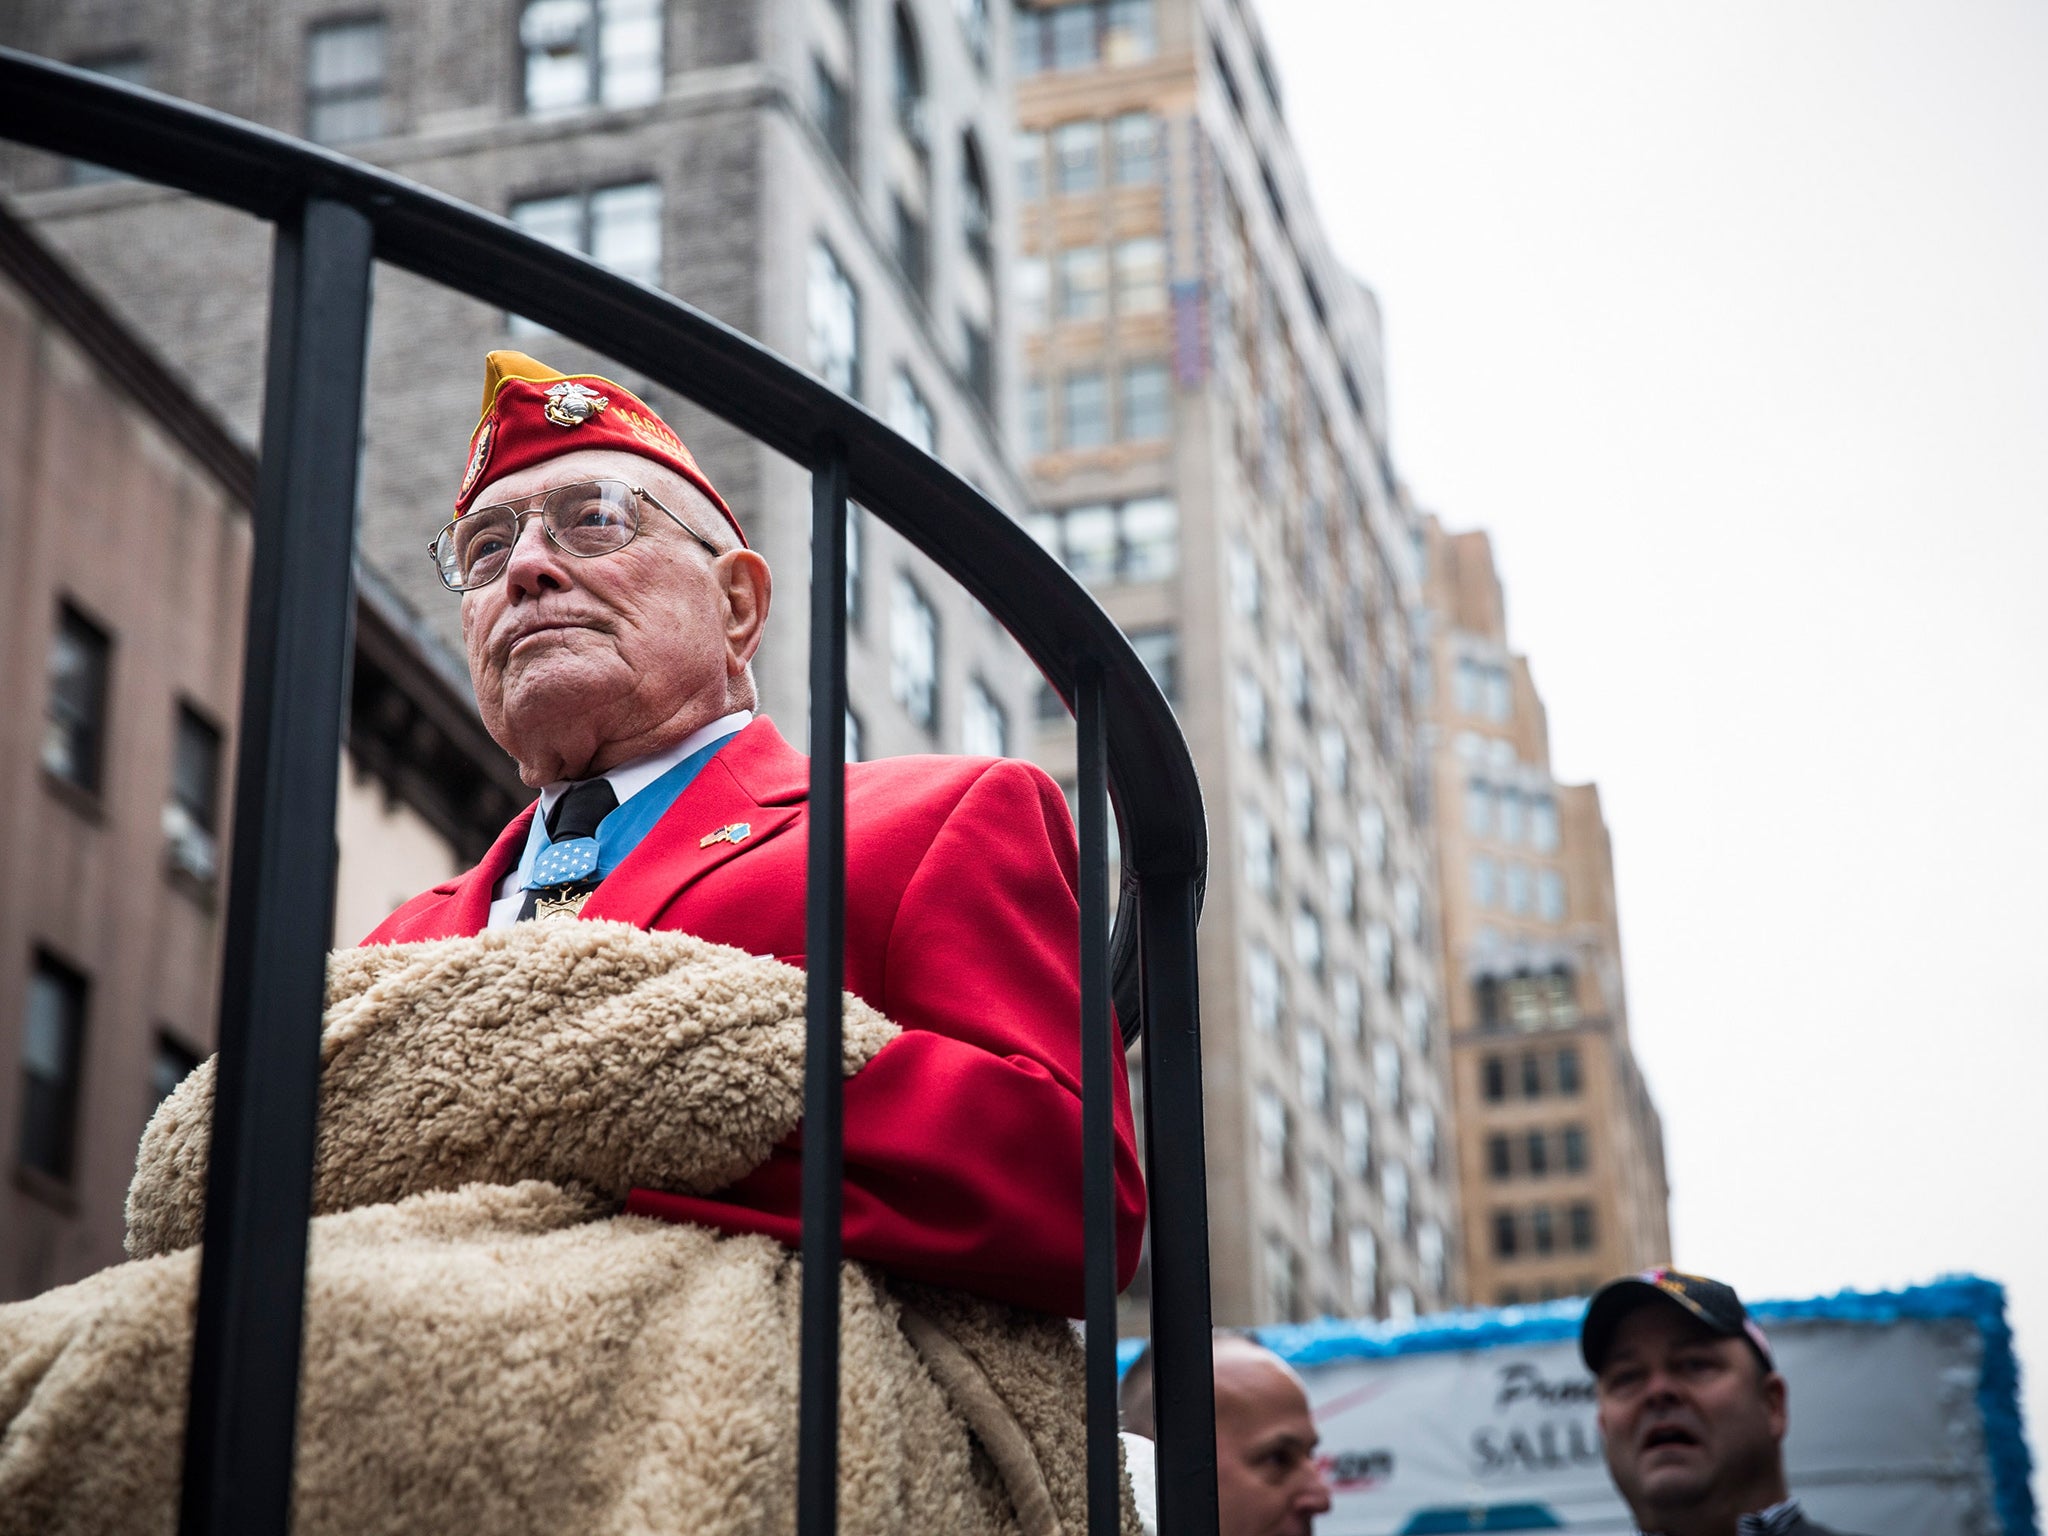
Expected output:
(587, 519)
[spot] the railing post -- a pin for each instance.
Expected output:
(1098, 1140)
(1183, 1381)
(280, 912)
(817, 1466)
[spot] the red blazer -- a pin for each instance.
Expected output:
(963, 1136)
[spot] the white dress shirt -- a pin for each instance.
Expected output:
(627, 780)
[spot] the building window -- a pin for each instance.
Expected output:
(1386, 1074)
(1253, 725)
(1485, 882)
(1520, 888)
(1499, 1158)
(1255, 835)
(1077, 158)
(1246, 597)
(129, 68)
(75, 718)
(1030, 153)
(1135, 149)
(1294, 689)
(1511, 818)
(1122, 542)
(832, 109)
(1394, 1196)
(1262, 975)
(1322, 1206)
(1308, 940)
(1084, 283)
(51, 1053)
(914, 653)
(1037, 417)
(1147, 407)
(345, 81)
(973, 16)
(1581, 1222)
(1422, 1136)
(984, 724)
(1340, 869)
(1538, 1154)
(977, 214)
(1532, 1076)
(618, 226)
(192, 814)
(832, 306)
(906, 79)
(1574, 1149)
(1493, 1079)
(1479, 808)
(1312, 1058)
(170, 1064)
(911, 413)
(1275, 1138)
(1543, 824)
(1372, 835)
(852, 737)
(584, 53)
(979, 354)
(1298, 791)
(1362, 1258)
(856, 542)
(1542, 1231)
(1550, 895)
(1283, 1277)
(1336, 758)
(1140, 276)
(1416, 1015)
(1084, 34)
(1354, 1123)
(1159, 650)
(1506, 1235)
(1086, 423)
(1347, 1004)
(913, 256)
(1031, 281)
(1568, 1070)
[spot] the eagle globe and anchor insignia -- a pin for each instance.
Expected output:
(571, 404)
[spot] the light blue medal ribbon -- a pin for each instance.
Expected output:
(548, 863)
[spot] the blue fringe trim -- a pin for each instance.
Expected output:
(1966, 1297)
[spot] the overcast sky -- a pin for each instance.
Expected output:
(1730, 322)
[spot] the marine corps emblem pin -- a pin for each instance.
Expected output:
(571, 404)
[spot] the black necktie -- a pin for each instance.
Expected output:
(576, 814)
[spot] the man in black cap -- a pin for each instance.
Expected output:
(1691, 1407)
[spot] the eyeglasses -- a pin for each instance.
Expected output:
(588, 519)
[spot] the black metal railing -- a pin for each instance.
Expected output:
(334, 217)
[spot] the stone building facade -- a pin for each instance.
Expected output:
(1560, 1150)
(124, 510)
(1205, 426)
(815, 173)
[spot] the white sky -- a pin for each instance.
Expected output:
(1730, 322)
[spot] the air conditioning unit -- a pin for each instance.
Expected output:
(188, 847)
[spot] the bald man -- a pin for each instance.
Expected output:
(1268, 1482)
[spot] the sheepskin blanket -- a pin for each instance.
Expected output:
(490, 1346)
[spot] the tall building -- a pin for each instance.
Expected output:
(1559, 1148)
(124, 508)
(1205, 426)
(816, 173)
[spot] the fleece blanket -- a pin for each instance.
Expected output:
(490, 1345)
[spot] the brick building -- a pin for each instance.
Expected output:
(1205, 426)
(124, 509)
(813, 172)
(1560, 1150)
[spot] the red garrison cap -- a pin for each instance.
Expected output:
(531, 414)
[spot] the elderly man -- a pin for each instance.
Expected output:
(1268, 1482)
(611, 608)
(1691, 1407)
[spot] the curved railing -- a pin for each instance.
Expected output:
(333, 217)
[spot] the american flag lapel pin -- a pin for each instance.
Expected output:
(732, 832)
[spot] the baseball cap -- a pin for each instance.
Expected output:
(1710, 1301)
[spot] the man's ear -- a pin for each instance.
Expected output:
(748, 587)
(1775, 1403)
